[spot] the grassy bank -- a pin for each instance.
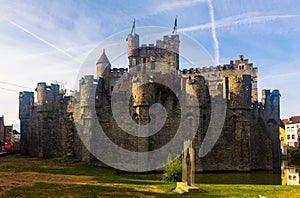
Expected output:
(31, 177)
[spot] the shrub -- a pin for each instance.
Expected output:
(295, 157)
(173, 169)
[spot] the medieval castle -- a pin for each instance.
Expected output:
(249, 138)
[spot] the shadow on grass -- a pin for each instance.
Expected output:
(58, 190)
(62, 190)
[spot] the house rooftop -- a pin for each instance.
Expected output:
(292, 120)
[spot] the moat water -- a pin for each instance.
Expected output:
(288, 175)
(258, 177)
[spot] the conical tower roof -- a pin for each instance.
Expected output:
(103, 59)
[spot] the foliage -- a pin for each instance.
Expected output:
(173, 169)
(295, 157)
(63, 91)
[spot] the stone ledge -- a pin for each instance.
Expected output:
(183, 188)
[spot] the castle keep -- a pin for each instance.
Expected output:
(249, 138)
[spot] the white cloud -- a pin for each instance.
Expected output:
(172, 5)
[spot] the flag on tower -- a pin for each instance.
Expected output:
(175, 26)
(133, 27)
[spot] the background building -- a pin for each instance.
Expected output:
(2, 131)
(6, 132)
(292, 126)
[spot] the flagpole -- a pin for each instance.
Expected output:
(175, 26)
(133, 27)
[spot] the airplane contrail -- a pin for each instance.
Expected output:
(237, 20)
(213, 32)
(41, 39)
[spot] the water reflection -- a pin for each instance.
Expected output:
(254, 177)
(289, 174)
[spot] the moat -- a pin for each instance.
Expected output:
(288, 176)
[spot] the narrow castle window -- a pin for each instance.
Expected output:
(227, 87)
(152, 65)
(143, 60)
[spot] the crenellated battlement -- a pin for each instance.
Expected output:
(240, 64)
(165, 51)
(170, 43)
(47, 93)
(117, 72)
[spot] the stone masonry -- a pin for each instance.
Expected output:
(249, 139)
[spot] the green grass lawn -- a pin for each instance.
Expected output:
(106, 183)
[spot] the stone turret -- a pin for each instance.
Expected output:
(271, 103)
(46, 93)
(275, 104)
(103, 69)
(41, 91)
(103, 66)
(133, 43)
(87, 105)
(143, 97)
(145, 57)
(169, 50)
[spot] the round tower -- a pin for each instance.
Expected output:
(143, 97)
(41, 91)
(133, 44)
(87, 91)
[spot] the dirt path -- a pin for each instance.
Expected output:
(10, 178)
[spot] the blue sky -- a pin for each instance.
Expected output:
(48, 40)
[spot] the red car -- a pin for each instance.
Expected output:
(7, 146)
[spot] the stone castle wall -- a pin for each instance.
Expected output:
(47, 125)
(249, 139)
